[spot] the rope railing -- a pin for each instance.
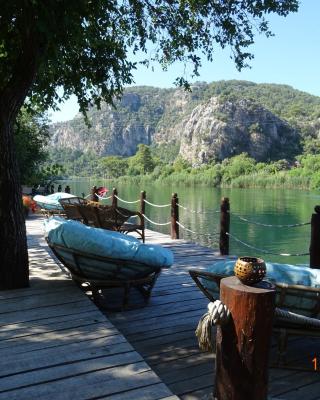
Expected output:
(156, 223)
(269, 225)
(197, 233)
(99, 197)
(265, 251)
(126, 201)
(223, 236)
(156, 205)
(103, 198)
(197, 212)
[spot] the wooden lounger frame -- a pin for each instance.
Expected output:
(142, 282)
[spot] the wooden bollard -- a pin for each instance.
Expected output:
(143, 207)
(243, 344)
(174, 216)
(224, 226)
(315, 239)
(114, 200)
(143, 196)
(93, 196)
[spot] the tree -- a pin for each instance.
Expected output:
(142, 161)
(31, 134)
(82, 46)
(113, 166)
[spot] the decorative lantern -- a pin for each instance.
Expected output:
(250, 270)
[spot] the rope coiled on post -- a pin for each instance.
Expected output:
(219, 314)
(266, 251)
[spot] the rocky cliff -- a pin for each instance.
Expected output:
(210, 123)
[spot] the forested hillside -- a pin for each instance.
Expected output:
(211, 123)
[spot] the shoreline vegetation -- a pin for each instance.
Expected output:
(240, 171)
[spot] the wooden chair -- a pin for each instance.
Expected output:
(112, 218)
(299, 299)
(69, 206)
(99, 273)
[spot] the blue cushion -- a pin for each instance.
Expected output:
(105, 243)
(276, 273)
(51, 202)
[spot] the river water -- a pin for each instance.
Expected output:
(274, 207)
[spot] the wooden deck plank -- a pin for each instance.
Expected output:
(56, 344)
(91, 360)
(163, 332)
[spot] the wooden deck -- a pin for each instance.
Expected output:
(163, 333)
(55, 343)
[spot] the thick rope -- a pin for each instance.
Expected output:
(156, 223)
(197, 212)
(219, 314)
(125, 201)
(196, 233)
(266, 251)
(288, 316)
(156, 205)
(269, 225)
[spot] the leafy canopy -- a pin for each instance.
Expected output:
(83, 45)
(31, 135)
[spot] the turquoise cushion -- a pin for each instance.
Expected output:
(105, 243)
(51, 202)
(276, 273)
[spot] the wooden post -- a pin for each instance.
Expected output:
(142, 211)
(315, 239)
(142, 202)
(243, 344)
(94, 196)
(224, 226)
(114, 200)
(174, 216)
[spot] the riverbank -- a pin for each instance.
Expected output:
(280, 180)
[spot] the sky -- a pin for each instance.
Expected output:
(291, 57)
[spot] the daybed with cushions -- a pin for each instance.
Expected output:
(105, 259)
(297, 291)
(50, 204)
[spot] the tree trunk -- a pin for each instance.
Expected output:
(14, 272)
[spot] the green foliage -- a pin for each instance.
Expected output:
(113, 166)
(237, 166)
(31, 135)
(142, 162)
(165, 152)
(311, 146)
(82, 45)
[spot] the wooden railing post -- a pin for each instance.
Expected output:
(243, 344)
(114, 200)
(224, 226)
(174, 216)
(94, 196)
(143, 204)
(315, 239)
